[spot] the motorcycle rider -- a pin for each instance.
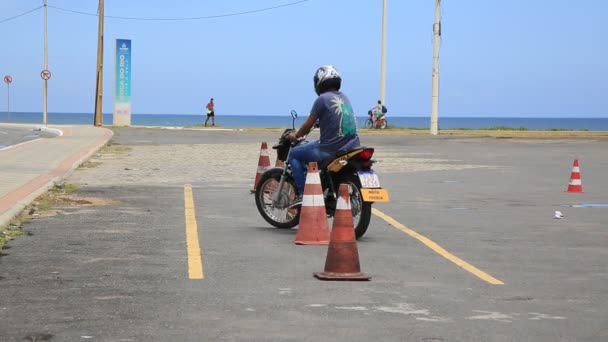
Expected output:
(377, 112)
(337, 124)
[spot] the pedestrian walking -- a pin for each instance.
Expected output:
(210, 112)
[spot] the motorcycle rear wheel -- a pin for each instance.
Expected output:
(362, 211)
(383, 124)
(278, 213)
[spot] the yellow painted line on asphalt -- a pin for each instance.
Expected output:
(195, 254)
(438, 249)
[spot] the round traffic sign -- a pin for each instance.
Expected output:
(8, 79)
(45, 74)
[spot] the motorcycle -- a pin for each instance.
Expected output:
(276, 190)
(380, 122)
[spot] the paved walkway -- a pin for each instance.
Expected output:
(29, 169)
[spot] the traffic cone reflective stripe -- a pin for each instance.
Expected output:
(342, 262)
(313, 228)
(263, 164)
(575, 185)
(313, 201)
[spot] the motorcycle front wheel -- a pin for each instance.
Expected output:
(274, 204)
(369, 124)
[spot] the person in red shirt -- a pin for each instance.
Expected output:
(210, 113)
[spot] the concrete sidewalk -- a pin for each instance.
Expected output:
(29, 169)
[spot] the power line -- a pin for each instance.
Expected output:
(20, 15)
(184, 18)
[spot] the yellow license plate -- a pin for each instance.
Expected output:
(375, 195)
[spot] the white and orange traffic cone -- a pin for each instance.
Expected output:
(263, 164)
(575, 185)
(342, 262)
(313, 228)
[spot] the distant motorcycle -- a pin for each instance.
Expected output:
(379, 123)
(276, 190)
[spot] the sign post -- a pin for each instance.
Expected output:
(122, 86)
(8, 79)
(45, 75)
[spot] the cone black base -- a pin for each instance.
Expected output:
(342, 276)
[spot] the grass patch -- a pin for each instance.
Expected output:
(45, 203)
(111, 148)
(12, 231)
(45, 206)
(106, 150)
(394, 128)
(505, 128)
(89, 165)
(566, 130)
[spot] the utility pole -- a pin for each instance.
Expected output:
(435, 86)
(383, 55)
(46, 67)
(98, 120)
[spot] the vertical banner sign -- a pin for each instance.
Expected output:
(122, 86)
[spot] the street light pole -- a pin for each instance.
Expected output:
(435, 85)
(46, 67)
(98, 120)
(383, 55)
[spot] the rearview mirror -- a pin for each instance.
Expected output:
(294, 114)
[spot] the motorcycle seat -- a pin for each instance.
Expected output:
(343, 152)
(332, 163)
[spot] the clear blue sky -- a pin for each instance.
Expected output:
(532, 58)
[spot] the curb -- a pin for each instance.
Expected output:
(18, 207)
(55, 131)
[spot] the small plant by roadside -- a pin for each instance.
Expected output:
(12, 231)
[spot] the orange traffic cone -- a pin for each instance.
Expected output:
(342, 261)
(263, 164)
(575, 185)
(313, 228)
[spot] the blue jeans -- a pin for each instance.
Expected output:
(300, 156)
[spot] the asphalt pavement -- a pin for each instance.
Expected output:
(461, 209)
(11, 135)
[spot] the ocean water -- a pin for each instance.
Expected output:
(244, 121)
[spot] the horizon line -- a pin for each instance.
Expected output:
(519, 116)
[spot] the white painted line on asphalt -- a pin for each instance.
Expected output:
(23, 143)
(438, 249)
